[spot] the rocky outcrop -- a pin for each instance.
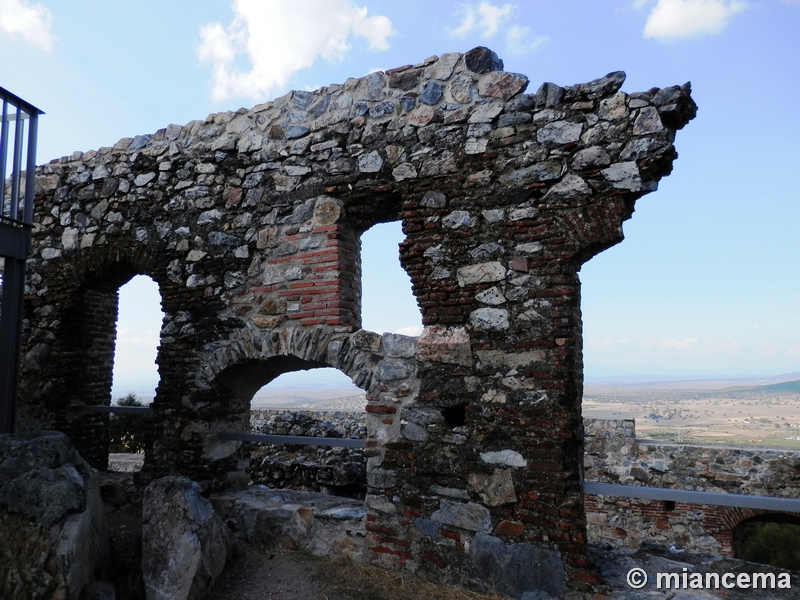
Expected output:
(52, 526)
(184, 543)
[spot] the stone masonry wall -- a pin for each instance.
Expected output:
(333, 470)
(614, 455)
(250, 221)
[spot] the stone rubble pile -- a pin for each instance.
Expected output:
(319, 524)
(337, 424)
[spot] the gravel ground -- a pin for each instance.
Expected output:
(259, 575)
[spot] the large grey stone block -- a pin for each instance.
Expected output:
(53, 533)
(184, 543)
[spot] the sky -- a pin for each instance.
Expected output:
(704, 285)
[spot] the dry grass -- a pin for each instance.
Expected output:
(261, 574)
(365, 582)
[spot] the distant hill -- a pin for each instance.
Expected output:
(749, 389)
(786, 386)
(611, 386)
(756, 391)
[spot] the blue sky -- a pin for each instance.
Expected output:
(706, 282)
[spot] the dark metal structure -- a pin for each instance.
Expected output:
(16, 220)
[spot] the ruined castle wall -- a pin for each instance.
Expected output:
(249, 221)
(614, 455)
(333, 470)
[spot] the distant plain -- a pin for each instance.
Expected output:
(761, 412)
(739, 412)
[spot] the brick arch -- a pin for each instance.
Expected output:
(252, 221)
(722, 521)
(384, 366)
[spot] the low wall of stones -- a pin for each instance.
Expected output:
(335, 471)
(614, 455)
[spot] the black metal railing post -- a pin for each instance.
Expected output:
(15, 241)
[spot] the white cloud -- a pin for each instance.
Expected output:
(30, 22)
(675, 19)
(485, 20)
(413, 330)
(773, 349)
(669, 344)
(609, 342)
(279, 38)
(484, 17)
(520, 40)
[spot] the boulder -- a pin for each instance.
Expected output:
(185, 545)
(53, 534)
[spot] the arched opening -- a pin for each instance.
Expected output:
(316, 403)
(771, 539)
(135, 373)
(387, 302)
(289, 396)
(139, 318)
(83, 362)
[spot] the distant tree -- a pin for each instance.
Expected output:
(776, 544)
(128, 433)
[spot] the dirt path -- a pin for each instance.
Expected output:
(256, 574)
(259, 575)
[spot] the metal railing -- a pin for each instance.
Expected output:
(16, 220)
(305, 440)
(259, 438)
(691, 497)
(118, 410)
(589, 487)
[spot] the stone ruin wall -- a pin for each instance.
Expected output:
(333, 470)
(614, 455)
(250, 222)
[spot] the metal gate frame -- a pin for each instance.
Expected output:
(16, 222)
